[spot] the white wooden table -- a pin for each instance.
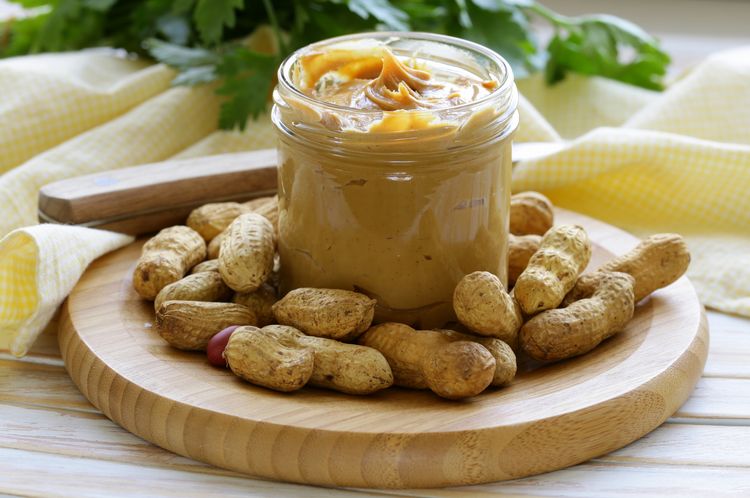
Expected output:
(53, 442)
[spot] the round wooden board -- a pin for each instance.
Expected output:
(549, 418)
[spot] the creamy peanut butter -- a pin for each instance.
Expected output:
(379, 80)
(394, 175)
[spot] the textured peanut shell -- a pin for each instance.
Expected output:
(214, 247)
(347, 368)
(530, 213)
(247, 251)
(269, 359)
(580, 327)
(656, 262)
(270, 210)
(428, 359)
(482, 304)
(332, 313)
(203, 286)
(210, 220)
(505, 358)
(461, 369)
(520, 250)
(552, 271)
(208, 265)
(189, 325)
(166, 258)
(260, 301)
(254, 204)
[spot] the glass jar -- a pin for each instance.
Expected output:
(399, 212)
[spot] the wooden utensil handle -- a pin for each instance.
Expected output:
(146, 198)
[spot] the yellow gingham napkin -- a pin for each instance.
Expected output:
(648, 162)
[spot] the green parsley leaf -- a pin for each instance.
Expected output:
(607, 46)
(381, 10)
(17, 36)
(212, 15)
(180, 57)
(98, 5)
(195, 76)
(247, 80)
(505, 29)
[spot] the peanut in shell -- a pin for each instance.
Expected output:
(332, 313)
(202, 286)
(563, 254)
(247, 251)
(189, 325)
(166, 258)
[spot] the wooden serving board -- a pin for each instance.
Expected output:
(549, 418)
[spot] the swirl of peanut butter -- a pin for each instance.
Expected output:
(373, 78)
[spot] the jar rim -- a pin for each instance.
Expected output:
(503, 87)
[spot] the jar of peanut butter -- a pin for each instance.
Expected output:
(394, 168)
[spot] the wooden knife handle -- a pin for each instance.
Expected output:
(147, 198)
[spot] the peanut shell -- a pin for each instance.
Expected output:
(189, 325)
(247, 251)
(267, 359)
(552, 271)
(482, 304)
(166, 258)
(530, 213)
(260, 301)
(333, 313)
(203, 286)
(210, 220)
(562, 333)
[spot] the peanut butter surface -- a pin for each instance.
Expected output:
(379, 80)
(370, 77)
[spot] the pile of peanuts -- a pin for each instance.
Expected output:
(214, 283)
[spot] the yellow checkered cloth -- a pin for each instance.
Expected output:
(678, 161)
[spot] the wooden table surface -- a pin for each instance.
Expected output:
(53, 442)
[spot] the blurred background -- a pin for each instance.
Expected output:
(688, 29)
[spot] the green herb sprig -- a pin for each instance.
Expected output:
(202, 39)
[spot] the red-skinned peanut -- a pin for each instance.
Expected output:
(216, 346)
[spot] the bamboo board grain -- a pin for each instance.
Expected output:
(550, 418)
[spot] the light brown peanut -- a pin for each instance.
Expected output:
(552, 271)
(520, 250)
(208, 265)
(428, 359)
(580, 327)
(210, 220)
(269, 359)
(654, 263)
(247, 251)
(203, 286)
(166, 258)
(332, 313)
(254, 204)
(530, 213)
(189, 325)
(348, 368)
(505, 358)
(260, 301)
(482, 304)
(214, 247)
(270, 210)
